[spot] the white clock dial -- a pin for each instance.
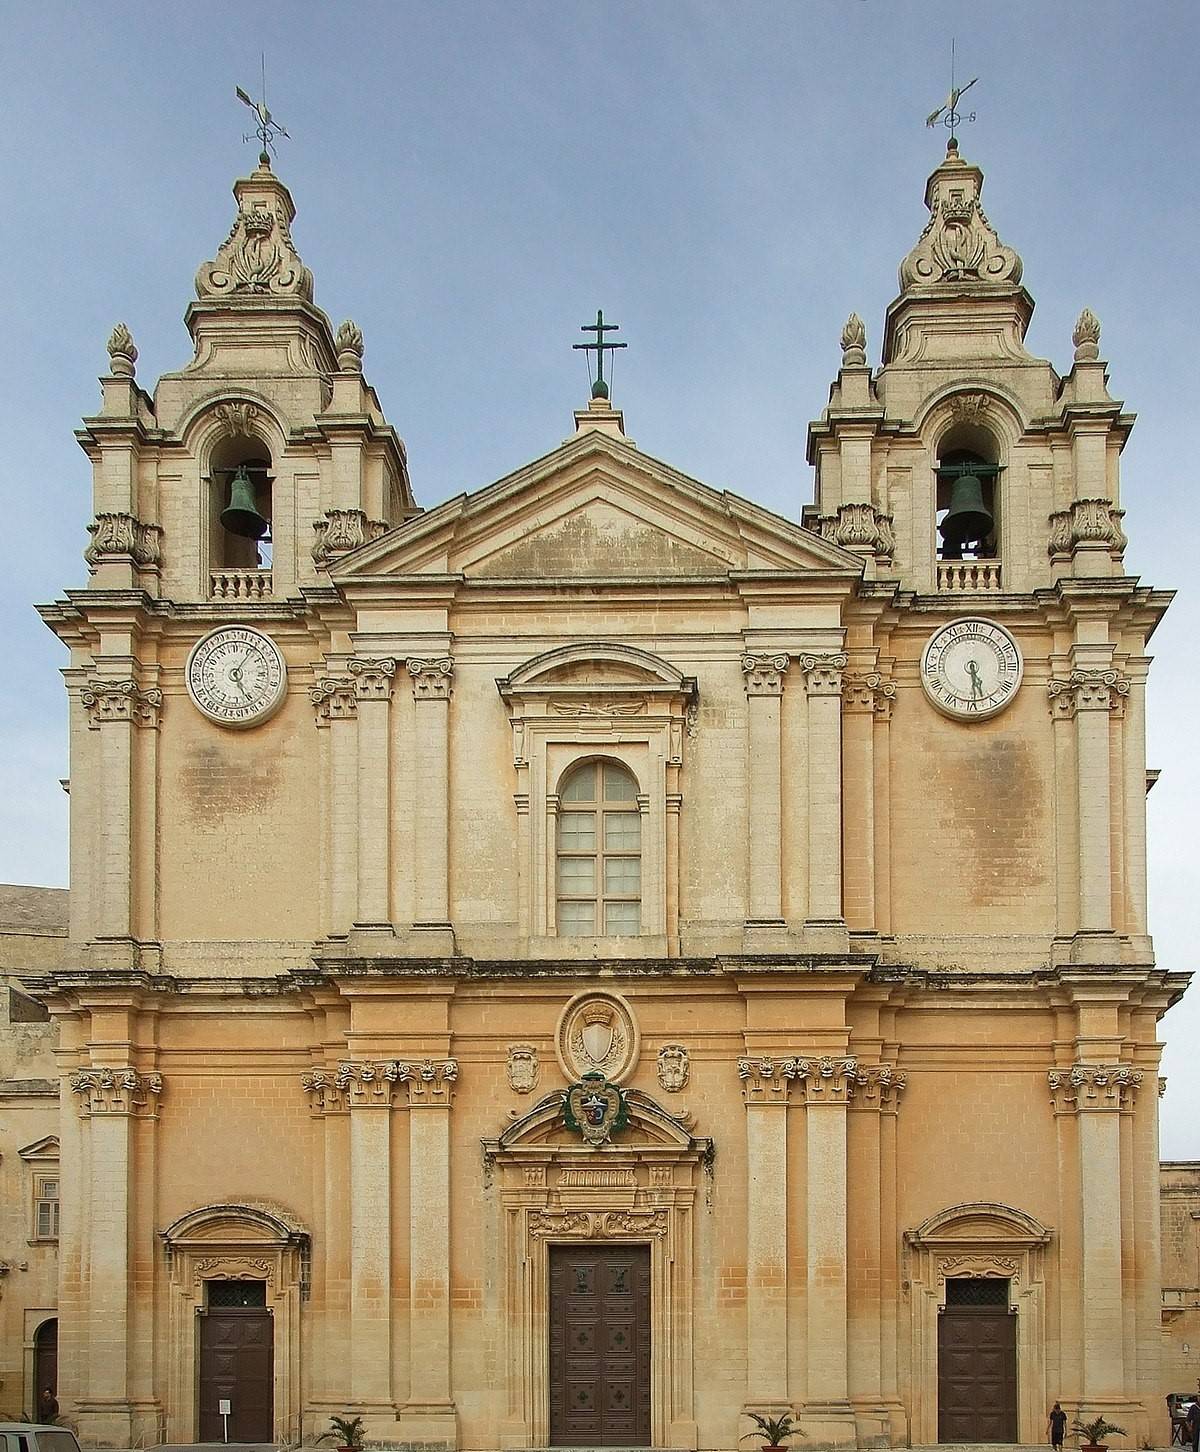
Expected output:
(236, 676)
(971, 668)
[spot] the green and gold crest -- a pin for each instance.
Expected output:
(595, 1109)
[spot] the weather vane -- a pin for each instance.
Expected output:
(599, 347)
(948, 113)
(268, 128)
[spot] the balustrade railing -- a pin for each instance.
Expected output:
(243, 584)
(968, 576)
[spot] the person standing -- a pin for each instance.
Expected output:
(47, 1406)
(1057, 1426)
(1192, 1423)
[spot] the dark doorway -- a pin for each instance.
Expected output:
(45, 1363)
(977, 1363)
(237, 1363)
(600, 1346)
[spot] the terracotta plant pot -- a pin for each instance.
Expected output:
(1093, 1447)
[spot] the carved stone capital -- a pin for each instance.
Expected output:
(861, 526)
(372, 678)
(766, 1080)
(429, 1084)
(878, 1086)
(821, 1079)
(122, 536)
(827, 1080)
(1087, 690)
(342, 530)
(868, 691)
(110, 701)
(1086, 522)
(325, 1093)
(763, 674)
(432, 680)
(823, 672)
(334, 699)
(116, 1091)
(1086, 1087)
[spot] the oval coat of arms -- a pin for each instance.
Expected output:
(597, 1034)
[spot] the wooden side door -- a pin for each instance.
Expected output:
(977, 1373)
(600, 1346)
(237, 1364)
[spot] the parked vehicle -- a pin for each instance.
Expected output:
(33, 1437)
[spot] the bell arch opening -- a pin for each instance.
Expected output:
(241, 504)
(968, 496)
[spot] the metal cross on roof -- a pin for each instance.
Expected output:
(599, 347)
(268, 128)
(948, 113)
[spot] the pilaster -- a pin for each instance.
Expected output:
(373, 681)
(335, 701)
(766, 1087)
(432, 687)
(866, 698)
(763, 677)
(823, 683)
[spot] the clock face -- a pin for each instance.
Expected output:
(236, 676)
(971, 669)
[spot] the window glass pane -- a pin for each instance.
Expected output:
(622, 919)
(577, 831)
(580, 786)
(622, 831)
(45, 1222)
(577, 875)
(619, 786)
(577, 918)
(622, 875)
(49, 1190)
(54, 1219)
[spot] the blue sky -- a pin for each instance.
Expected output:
(728, 181)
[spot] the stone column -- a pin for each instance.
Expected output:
(763, 676)
(109, 1098)
(370, 1089)
(823, 682)
(373, 690)
(336, 704)
(766, 1085)
(1096, 1094)
(429, 1412)
(432, 684)
(861, 694)
(1092, 695)
(116, 709)
(828, 1084)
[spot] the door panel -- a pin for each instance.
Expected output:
(600, 1346)
(237, 1364)
(977, 1375)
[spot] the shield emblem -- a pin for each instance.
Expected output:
(595, 1108)
(598, 1039)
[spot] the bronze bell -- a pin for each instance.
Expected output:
(240, 516)
(968, 520)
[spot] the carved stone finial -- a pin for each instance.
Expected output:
(854, 342)
(959, 244)
(258, 258)
(349, 343)
(122, 352)
(1086, 337)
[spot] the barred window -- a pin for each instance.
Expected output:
(599, 852)
(45, 1207)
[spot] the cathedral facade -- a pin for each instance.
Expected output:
(594, 959)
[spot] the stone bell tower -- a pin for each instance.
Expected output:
(958, 397)
(272, 397)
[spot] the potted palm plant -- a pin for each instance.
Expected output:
(774, 1431)
(347, 1432)
(1092, 1434)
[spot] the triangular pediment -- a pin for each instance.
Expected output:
(595, 508)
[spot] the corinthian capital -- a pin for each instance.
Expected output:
(115, 1091)
(1087, 1087)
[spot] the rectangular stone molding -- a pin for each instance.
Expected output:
(763, 676)
(823, 682)
(373, 681)
(432, 686)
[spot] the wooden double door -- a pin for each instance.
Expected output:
(977, 1365)
(600, 1346)
(237, 1365)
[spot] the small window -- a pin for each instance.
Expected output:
(236, 1295)
(976, 1291)
(599, 853)
(45, 1207)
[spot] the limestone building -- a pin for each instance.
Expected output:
(592, 958)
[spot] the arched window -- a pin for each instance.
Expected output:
(241, 504)
(968, 496)
(599, 852)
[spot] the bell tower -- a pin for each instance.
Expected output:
(965, 465)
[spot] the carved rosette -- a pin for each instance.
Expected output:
(763, 674)
(1087, 522)
(1085, 1087)
(122, 352)
(116, 1091)
(958, 244)
(598, 1224)
(432, 680)
(342, 530)
(111, 701)
(373, 679)
(854, 342)
(333, 699)
(122, 536)
(366, 1083)
(861, 527)
(823, 673)
(1087, 690)
(868, 691)
(258, 258)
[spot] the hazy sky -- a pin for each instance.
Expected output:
(727, 180)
